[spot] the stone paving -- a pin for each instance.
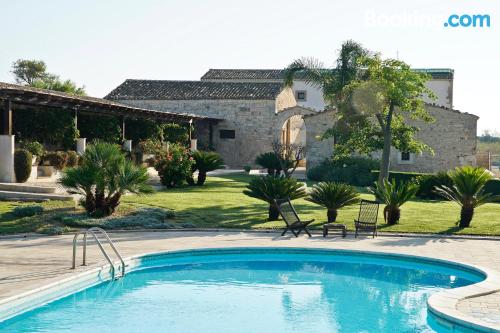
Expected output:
(28, 263)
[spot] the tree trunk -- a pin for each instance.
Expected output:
(332, 215)
(202, 176)
(274, 213)
(386, 152)
(466, 215)
(393, 215)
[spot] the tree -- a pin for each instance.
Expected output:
(34, 73)
(371, 96)
(270, 188)
(333, 196)
(467, 191)
(206, 161)
(103, 177)
(288, 156)
(29, 71)
(393, 195)
(332, 80)
(377, 107)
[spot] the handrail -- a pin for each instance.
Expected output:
(93, 231)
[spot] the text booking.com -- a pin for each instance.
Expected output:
(418, 19)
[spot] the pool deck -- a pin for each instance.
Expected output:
(33, 262)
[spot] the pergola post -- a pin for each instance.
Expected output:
(126, 144)
(6, 117)
(7, 141)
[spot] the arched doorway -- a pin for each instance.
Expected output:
(293, 133)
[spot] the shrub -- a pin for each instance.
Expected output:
(34, 147)
(247, 168)
(22, 165)
(272, 188)
(150, 146)
(58, 159)
(393, 195)
(401, 176)
(24, 211)
(142, 218)
(427, 184)
(355, 171)
(270, 162)
(468, 191)
(104, 176)
(492, 186)
(174, 166)
(72, 159)
(206, 161)
(333, 196)
(175, 133)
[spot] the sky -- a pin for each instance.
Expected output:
(99, 44)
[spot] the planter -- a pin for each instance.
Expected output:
(46, 170)
(146, 157)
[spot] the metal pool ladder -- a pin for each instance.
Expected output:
(93, 232)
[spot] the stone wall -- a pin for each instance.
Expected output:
(317, 149)
(452, 137)
(252, 120)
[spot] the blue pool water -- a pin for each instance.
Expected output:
(255, 291)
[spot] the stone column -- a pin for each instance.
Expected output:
(194, 144)
(127, 145)
(7, 174)
(81, 145)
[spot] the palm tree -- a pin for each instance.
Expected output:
(332, 80)
(270, 188)
(467, 191)
(103, 177)
(206, 161)
(333, 196)
(393, 196)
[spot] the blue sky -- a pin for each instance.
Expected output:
(101, 43)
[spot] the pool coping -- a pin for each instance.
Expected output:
(442, 304)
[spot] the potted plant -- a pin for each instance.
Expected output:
(35, 148)
(54, 162)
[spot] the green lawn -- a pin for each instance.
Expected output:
(221, 203)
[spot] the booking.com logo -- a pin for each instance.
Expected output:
(467, 21)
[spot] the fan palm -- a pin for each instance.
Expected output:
(270, 162)
(467, 191)
(393, 196)
(271, 188)
(206, 161)
(332, 80)
(103, 177)
(333, 196)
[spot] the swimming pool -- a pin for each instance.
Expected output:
(256, 290)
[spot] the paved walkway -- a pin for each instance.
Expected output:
(27, 263)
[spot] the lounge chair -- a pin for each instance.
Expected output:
(367, 218)
(292, 220)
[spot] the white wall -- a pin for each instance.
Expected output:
(443, 89)
(314, 99)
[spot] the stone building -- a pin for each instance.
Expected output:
(256, 110)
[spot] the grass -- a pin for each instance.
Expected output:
(221, 203)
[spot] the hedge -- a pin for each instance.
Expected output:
(492, 186)
(355, 171)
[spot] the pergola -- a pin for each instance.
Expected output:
(14, 97)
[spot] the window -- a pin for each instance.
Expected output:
(244, 108)
(301, 95)
(405, 157)
(227, 134)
